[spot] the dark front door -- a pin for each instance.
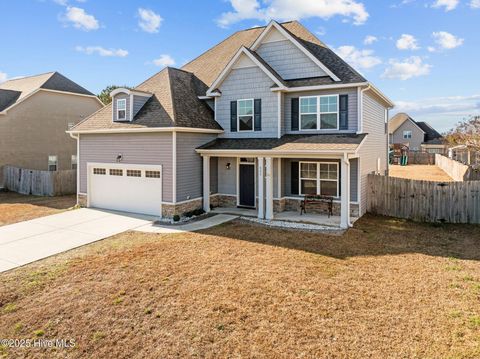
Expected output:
(247, 185)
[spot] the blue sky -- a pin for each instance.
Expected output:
(423, 54)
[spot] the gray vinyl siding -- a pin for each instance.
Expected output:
(288, 60)
(275, 178)
(352, 109)
(287, 179)
(213, 175)
(148, 149)
(248, 83)
(121, 96)
(190, 165)
(354, 180)
(375, 144)
(138, 102)
(227, 178)
(417, 135)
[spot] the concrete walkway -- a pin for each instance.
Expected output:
(188, 227)
(29, 241)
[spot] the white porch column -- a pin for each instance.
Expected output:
(345, 196)
(206, 183)
(268, 188)
(261, 200)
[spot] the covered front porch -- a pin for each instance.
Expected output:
(273, 187)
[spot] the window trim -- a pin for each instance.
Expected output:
(318, 113)
(407, 131)
(318, 179)
(253, 115)
(125, 101)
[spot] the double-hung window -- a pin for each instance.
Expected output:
(319, 178)
(52, 163)
(245, 115)
(319, 112)
(74, 162)
(121, 109)
(407, 134)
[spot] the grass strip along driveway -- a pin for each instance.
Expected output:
(387, 288)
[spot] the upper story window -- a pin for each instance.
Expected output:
(407, 134)
(319, 112)
(121, 109)
(245, 115)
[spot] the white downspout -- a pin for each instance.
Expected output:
(77, 137)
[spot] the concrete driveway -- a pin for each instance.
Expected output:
(28, 241)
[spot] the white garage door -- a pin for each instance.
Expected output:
(128, 188)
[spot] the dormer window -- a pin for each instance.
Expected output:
(121, 109)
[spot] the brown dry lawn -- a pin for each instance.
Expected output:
(387, 288)
(16, 207)
(420, 172)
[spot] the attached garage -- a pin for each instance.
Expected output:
(125, 187)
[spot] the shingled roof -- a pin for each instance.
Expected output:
(16, 90)
(289, 143)
(174, 103)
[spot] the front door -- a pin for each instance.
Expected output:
(247, 185)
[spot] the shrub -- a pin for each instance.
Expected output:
(199, 211)
(176, 218)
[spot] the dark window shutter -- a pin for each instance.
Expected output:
(294, 177)
(233, 116)
(257, 112)
(295, 114)
(343, 112)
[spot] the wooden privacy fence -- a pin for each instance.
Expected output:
(40, 183)
(425, 201)
(421, 158)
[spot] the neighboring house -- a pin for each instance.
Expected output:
(418, 136)
(267, 115)
(35, 112)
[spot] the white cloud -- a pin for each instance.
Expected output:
(89, 50)
(475, 4)
(406, 69)
(407, 42)
(447, 41)
(80, 19)
(360, 59)
(149, 20)
(61, 2)
(441, 112)
(370, 39)
(3, 77)
(164, 60)
(293, 10)
(449, 5)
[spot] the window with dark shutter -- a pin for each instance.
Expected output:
(257, 111)
(295, 114)
(233, 116)
(294, 177)
(343, 112)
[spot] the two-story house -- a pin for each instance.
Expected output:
(418, 136)
(35, 112)
(257, 121)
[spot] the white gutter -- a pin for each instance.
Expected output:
(147, 130)
(318, 87)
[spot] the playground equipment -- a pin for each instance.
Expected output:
(399, 154)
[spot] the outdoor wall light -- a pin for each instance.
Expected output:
(119, 157)
(228, 166)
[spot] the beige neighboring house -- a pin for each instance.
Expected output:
(35, 112)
